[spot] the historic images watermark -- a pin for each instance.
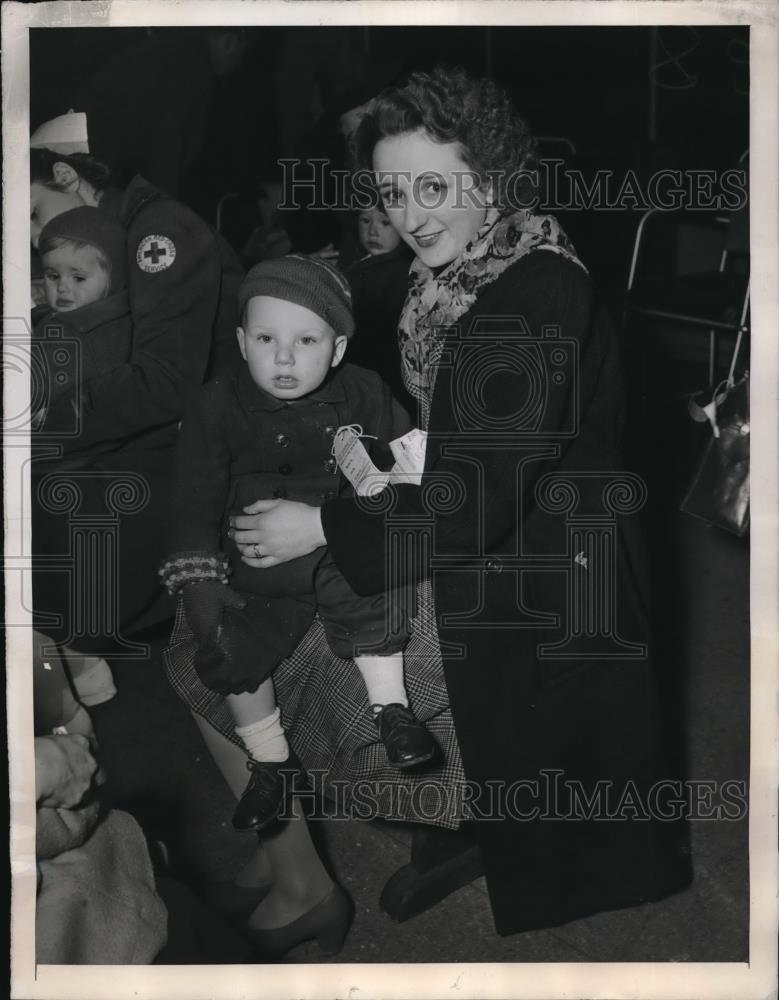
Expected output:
(548, 796)
(549, 187)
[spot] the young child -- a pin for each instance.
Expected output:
(83, 256)
(376, 233)
(379, 285)
(83, 259)
(267, 431)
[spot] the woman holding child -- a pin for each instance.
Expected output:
(517, 386)
(160, 310)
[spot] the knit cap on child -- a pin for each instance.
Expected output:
(296, 318)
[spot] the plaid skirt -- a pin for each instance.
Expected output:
(325, 713)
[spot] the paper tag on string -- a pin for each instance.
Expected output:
(409, 452)
(354, 461)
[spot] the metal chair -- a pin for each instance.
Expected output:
(683, 289)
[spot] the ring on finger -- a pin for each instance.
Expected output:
(257, 552)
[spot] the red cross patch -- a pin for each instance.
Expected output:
(155, 253)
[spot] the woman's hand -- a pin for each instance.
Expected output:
(64, 770)
(270, 532)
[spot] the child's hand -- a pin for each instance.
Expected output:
(204, 603)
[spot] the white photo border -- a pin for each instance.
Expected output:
(640, 980)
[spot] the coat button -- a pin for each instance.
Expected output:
(494, 566)
(280, 493)
(282, 440)
(331, 465)
(330, 430)
(285, 469)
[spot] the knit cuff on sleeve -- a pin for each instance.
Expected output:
(189, 567)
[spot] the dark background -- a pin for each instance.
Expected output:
(590, 84)
(636, 98)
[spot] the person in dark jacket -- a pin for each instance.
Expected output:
(269, 431)
(379, 283)
(110, 441)
(537, 600)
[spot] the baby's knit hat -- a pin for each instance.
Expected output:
(97, 228)
(313, 284)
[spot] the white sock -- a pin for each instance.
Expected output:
(383, 676)
(265, 740)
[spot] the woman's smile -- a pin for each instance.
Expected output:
(427, 240)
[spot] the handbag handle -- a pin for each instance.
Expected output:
(709, 412)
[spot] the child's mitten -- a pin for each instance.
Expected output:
(204, 602)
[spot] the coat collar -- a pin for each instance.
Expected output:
(253, 398)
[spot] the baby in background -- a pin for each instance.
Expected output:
(376, 233)
(83, 254)
(379, 284)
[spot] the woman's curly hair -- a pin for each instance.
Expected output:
(452, 106)
(92, 170)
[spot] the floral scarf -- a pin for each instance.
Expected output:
(436, 301)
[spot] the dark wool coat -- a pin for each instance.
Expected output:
(550, 682)
(379, 287)
(239, 444)
(102, 332)
(127, 422)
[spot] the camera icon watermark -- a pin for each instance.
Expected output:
(541, 367)
(40, 369)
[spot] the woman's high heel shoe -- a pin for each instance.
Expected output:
(328, 922)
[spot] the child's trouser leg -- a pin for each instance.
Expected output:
(252, 642)
(357, 626)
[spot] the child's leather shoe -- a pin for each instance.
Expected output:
(407, 742)
(270, 787)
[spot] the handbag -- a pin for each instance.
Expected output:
(719, 491)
